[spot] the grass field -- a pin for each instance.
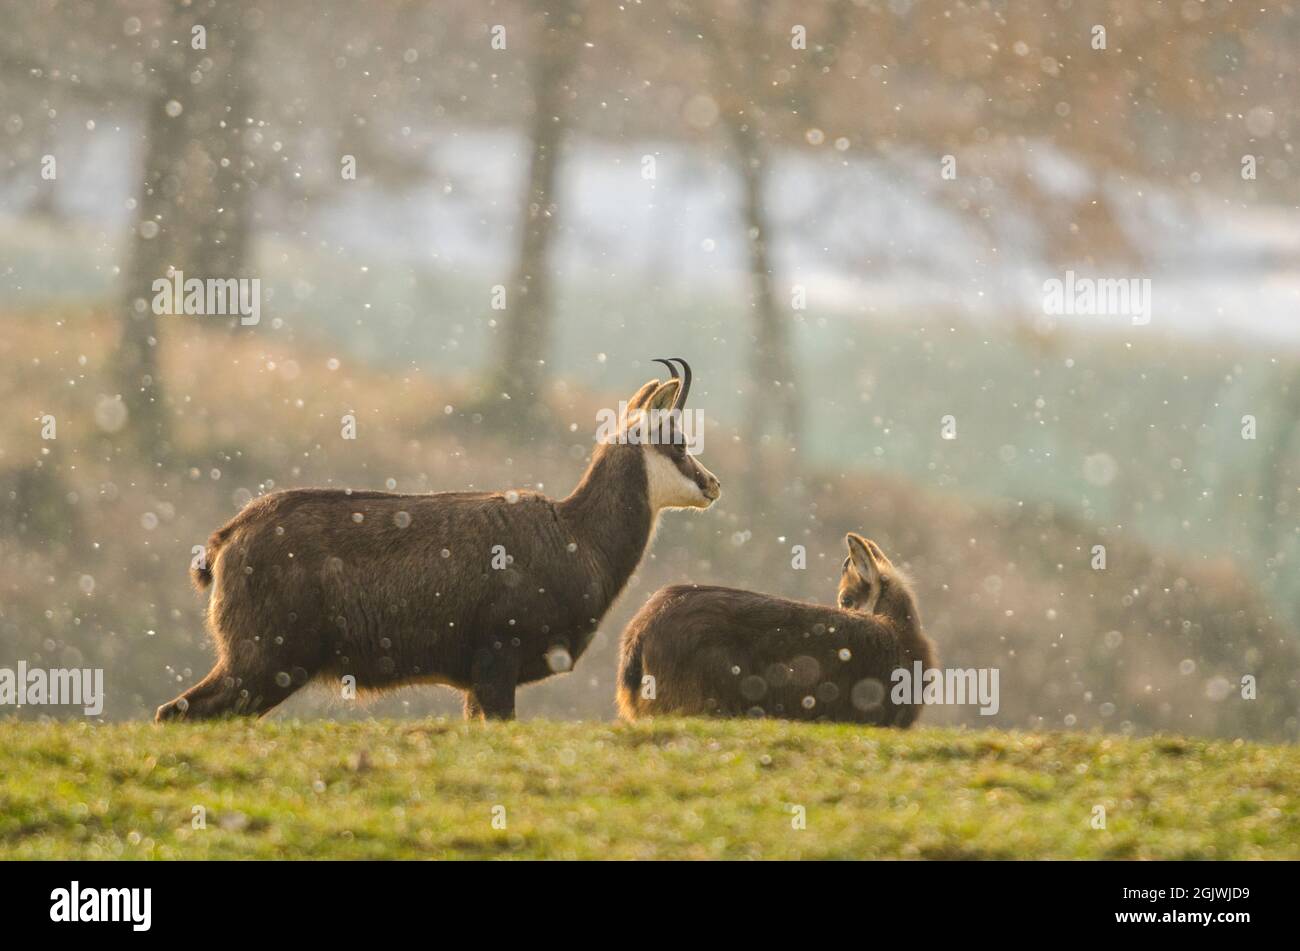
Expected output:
(673, 789)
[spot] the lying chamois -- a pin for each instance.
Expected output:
(403, 589)
(712, 651)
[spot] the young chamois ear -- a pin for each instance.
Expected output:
(863, 577)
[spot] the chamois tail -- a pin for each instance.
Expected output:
(201, 570)
(201, 575)
(629, 680)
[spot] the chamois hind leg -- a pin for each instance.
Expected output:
(241, 684)
(197, 697)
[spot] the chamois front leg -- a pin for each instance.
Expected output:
(494, 676)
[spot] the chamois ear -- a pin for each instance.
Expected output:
(863, 553)
(643, 394)
(882, 560)
(663, 398)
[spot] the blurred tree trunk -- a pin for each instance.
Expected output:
(225, 247)
(154, 237)
(774, 404)
(527, 322)
(739, 54)
(192, 213)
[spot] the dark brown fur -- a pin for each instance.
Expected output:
(716, 651)
(303, 589)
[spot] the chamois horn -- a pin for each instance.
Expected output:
(685, 377)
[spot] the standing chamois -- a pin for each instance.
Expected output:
(403, 589)
(712, 651)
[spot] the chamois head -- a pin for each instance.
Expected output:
(869, 582)
(674, 477)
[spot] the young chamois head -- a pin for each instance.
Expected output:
(654, 426)
(870, 584)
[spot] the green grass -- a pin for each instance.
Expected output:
(672, 789)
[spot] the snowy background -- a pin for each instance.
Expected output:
(923, 299)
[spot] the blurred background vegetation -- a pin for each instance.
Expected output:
(754, 185)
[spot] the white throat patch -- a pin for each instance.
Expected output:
(668, 488)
